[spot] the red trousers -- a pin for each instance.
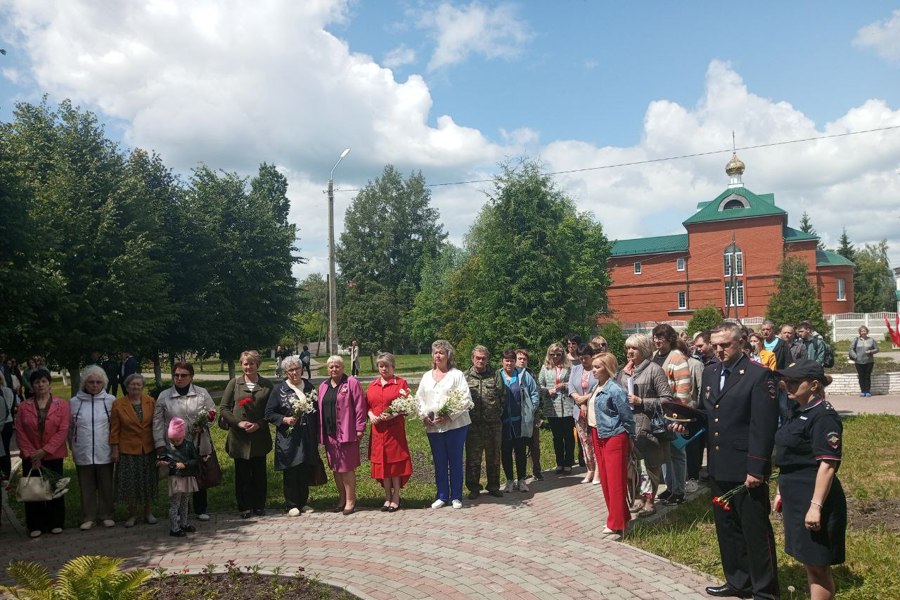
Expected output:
(612, 460)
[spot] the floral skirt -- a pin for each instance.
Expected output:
(136, 479)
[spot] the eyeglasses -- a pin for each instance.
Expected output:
(181, 375)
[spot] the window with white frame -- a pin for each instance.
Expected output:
(679, 264)
(637, 268)
(682, 300)
(734, 296)
(734, 260)
(841, 289)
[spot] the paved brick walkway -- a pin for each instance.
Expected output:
(544, 544)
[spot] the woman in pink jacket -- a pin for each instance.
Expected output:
(342, 407)
(42, 427)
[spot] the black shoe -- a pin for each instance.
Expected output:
(496, 493)
(538, 476)
(385, 508)
(674, 500)
(726, 591)
(559, 470)
(259, 512)
(473, 495)
(189, 529)
(245, 514)
(662, 496)
(179, 533)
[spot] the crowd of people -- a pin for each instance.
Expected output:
(734, 395)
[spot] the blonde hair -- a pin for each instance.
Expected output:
(548, 362)
(446, 347)
(642, 343)
(335, 359)
(610, 364)
(252, 356)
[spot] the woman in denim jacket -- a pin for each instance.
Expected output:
(612, 442)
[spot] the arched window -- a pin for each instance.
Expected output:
(733, 204)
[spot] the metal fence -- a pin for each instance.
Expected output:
(844, 326)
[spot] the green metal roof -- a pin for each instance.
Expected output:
(827, 258)
(663, 244)
(757, 206)
(795, 235)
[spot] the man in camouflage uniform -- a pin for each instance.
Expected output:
(485, 431)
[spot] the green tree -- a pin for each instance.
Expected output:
(845, 247)
(310, 318)
(390, 230)
(536, 267)
(425, 319)
(705, 317)
(615, 338)
(806, 226)
(795, 297)
(873, 280)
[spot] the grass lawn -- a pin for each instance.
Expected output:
(870, 474)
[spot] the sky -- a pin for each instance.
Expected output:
(454, 89)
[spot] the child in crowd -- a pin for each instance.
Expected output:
(182, 459)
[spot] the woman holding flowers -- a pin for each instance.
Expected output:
(389, 401)
(342, 406)
(133, 452)
(249, 439)
(291, 408)
(444, 402)
(195, 406)
(42, 426)
(808, 451)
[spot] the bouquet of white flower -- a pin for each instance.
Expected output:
(302, 405)
(455, 403)
(405, 404)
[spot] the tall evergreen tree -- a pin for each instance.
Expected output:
(806, 226)
(845, 247)
(873, 281)
(795, 297)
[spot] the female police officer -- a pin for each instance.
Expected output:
(808, 450)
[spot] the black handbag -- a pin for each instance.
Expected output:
(209, 470)
(319, 475)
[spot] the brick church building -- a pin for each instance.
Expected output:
(729, 256)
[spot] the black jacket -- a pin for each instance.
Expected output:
(741, 420)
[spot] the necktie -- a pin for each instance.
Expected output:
(725, 373)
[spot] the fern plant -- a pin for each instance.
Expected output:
(82, 578)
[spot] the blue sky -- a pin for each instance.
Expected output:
(453, 88)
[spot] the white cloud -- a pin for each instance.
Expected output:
(399, 57)
(883, 37)
(474, 29)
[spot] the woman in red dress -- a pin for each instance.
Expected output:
(388, 450)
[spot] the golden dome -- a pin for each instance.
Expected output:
(735, 166)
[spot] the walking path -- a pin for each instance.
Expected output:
(544, 544)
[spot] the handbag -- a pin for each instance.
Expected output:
(209, 470)
(645, 442)
(319, 475)
(33, 488)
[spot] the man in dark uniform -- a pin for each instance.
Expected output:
(485, 432)
(738, 397)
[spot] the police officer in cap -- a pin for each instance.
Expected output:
(808, 451)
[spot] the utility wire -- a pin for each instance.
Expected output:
(668, 158)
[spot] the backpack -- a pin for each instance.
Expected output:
(829, 355)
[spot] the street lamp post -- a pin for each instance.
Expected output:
(332, 287)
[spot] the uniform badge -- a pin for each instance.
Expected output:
(771, 386)
(708, 388)
(834, 439)
(741, 371)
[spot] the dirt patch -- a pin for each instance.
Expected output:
(882, 514)
(235, 585)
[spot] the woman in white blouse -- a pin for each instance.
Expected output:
(447, 435)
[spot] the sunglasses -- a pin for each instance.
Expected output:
(182, 375)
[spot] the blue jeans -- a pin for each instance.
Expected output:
(447, 453)
(675, 471)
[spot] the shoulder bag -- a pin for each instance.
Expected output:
(210, 471)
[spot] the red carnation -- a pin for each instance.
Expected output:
(244, 402)
(211, 416)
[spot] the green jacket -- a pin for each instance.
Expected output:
(486, 395)
(239, 443)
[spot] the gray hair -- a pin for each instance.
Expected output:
(91, 370)
(736, 331)
(446, 347)
(642, 343)
(131, 378)
(480, 348)
(386, 358)
(335, 359)
(769, 322)
(290, 361)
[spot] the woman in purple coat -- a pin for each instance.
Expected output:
(342, 407)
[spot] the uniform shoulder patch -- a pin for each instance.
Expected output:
(834, 439)
(772, 387)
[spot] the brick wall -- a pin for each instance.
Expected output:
(848, 384)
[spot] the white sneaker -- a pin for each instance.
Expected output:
(457, 504)
(307, 509)
(294, 512)
(438, 503)
(510, 486)
(203, 517)
(691, 486)
(56, 530)
(151, 520)
(109, 523)
(130, 522)
(87, 525)
(521, 485)
(35, 533)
